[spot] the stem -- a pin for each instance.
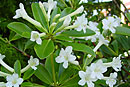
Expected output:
(64, 3)
(98, 46)
(25, 69)
(3, 74)
(6, 66)
(53, 69)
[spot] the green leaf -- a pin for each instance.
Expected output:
(29, 84)
(123, 31)
(38, 15)
(54, 13)
(108, 50)
(45, 49)
(16, 37)
(115, 46)
(75, 33)
(71, 82)
(79, 47)
(63, 37)
(17, 67)
(43, 74)
(28, 74)
(28, 44)
(128, 16)
(66, 75)
(20, 28)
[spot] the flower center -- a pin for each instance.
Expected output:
(35, 36)
(14, 81)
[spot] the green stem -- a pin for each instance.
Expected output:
(53, 69)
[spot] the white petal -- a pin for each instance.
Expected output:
(20, 80)
(71, 58)
(59, 59)
(65, 64)
(75, 62)
(34, 68)
(9, 84)
(68, 49)
(81, 74)
(39, 41)
(90, 84)
(67, 21)
(81, 82)
(16, 85)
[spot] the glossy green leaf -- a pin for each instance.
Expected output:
(63, 37)
(45, 49)
(79, 47)
(71, 82)
(17, 67)
(123, 31)
(38, 15)
(66, 75)
(108, 50)
(20, 28)
(75, 33)
(28, 74)
(29, 84)
(43, 74)
(115, 46)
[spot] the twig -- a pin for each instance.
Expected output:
(126, 71)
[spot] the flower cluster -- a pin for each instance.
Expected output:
(14, 80)
(95, 71)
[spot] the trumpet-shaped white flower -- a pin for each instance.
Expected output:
(112, 79)
(93, 26)
(21, 12)
(116, 63)
(66, 57)
(67, 21)
(111, 23)
(97, 69)
(101, 42)
(33, 62)
(13, 81)
(49, 6)
(35, 36)
(82, 22)
(86, 78)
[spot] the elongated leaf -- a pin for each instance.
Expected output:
(123, 31)
(43, 74)
(63, 37)
(79, 47)
(115, 46)
(20, 28)
(38, 15)
(75, 33)
(45, 49)
(29, 84)
(54, 13)
(108, 50)
(17, 67)
(28, 74)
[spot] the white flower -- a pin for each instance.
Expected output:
(112, 79)
(116, 63)
(66, 57)
(97, 69)
(82, 22)
(67, 21)
(35, 36)
(21, 12)
(93, 26)
(86, 78)
(111, 23)
(49, 6)
(13, 80)
(101, 42)
(95, 12)
(33, 62)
